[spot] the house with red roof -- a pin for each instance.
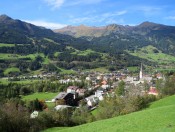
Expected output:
(153, 91)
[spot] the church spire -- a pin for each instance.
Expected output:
(141, 72)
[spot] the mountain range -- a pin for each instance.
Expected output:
(147, 33)
(79, 46)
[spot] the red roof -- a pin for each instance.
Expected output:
(153, 91)
(104, 82)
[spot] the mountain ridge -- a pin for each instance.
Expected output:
(92, 31)
(113, 40)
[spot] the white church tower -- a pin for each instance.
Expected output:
(141, 72)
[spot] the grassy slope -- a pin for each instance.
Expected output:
(12, 69)
(163, 102)
(159, 117)
(148, 53)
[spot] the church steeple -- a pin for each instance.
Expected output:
(141, 72)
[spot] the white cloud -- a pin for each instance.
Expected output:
(148, 10)
(171, 17)
(119, 13)
(109, 17)
(84, 2)
(117, 21)
(55, 3)
(49, 25)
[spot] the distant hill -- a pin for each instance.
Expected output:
(16, 31)
(128, 37)
(82, 30)
(144, 28)
(159, 117)
(20, 32)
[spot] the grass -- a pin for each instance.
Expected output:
(8, 56)
(159, 117)
(16, 56)
(46, 60)
(40, 96)
(100, 69)
(163, 102)
(149, 54)
(83, 53)
(6, 45)
(133, 69)
(56, 54)
(55, 129)
(50, 105)
(50, 40)
(5, 81)
(63, 71)
(94, 112)
(12, 69)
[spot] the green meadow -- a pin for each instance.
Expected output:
(159, 117)
(6, 45)
(27, 81)
(12, 69)
(152, 54)
(84, 53)
(40, 96)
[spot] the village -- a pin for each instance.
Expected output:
(100, 86)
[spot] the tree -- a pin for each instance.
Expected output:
(82, 115)
(121, 88)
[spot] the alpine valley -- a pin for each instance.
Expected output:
(29, 49)
(82, 78)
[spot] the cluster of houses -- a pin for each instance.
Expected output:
(73, 95)
(102, 85)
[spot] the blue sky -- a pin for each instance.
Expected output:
(59, 13)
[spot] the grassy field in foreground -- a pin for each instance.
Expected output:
(40, 96)
(54, 129)
(163, 102)
(158, 118)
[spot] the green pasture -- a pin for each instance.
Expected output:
(40, 96)
(12, 69)
(6, 45)
(149, 54)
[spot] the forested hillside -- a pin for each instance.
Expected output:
(27, 48)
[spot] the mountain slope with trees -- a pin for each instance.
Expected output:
(29, 48)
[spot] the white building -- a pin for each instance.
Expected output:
(34, 114)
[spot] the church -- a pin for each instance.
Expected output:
(143, 77)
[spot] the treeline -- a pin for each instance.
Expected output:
(16, 90)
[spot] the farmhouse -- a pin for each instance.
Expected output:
(64, 98)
